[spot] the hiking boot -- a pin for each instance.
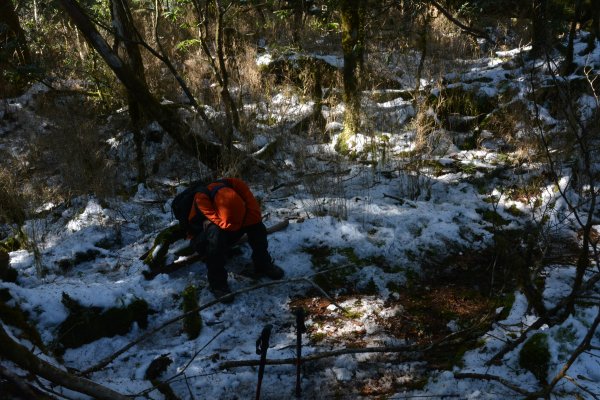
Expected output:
(271, 271)
(222, 291)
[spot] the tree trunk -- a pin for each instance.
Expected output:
(205, 151)
(230, 107)
(19, 354)
(568, 62)
(352, 16)
(129, 51)
(539, 27)
(13, 35)
(595, 34)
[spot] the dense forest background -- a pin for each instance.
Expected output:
(452, 146)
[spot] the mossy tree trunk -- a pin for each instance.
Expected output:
(192, 323)
(352, 21)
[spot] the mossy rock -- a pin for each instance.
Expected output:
(88, 324)
(7, 273)
(535, 356)
(192, 324)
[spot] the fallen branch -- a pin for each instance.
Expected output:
(585, 343)
(581, 387)
(488, 377)
(21, 356)
(24, 387)
(590, 284)
(318, 356)
(182, 372)
(107, 360)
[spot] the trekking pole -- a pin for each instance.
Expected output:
(300, 329)
(262, 344)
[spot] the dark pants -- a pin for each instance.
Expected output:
(215, 242)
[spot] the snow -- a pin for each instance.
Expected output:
(365, 212)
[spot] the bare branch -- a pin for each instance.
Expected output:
(321, 355)
(488, 377)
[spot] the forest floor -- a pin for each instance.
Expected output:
(421, 263)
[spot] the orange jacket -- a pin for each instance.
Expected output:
(231, 209)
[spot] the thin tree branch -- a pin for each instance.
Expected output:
(318, 356)
(466, 29)
(488, 377)
(584, 345)
(182, 372)
(591, 283)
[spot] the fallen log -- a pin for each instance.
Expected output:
(20, 355)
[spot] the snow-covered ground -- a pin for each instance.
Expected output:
(373, 211)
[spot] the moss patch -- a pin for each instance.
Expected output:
(158, 253)
(10, 244)
(535, 356)
(87, 324)
(192, 324)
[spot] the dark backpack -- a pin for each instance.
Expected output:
(184, 201)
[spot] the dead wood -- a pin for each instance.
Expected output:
(23, 387)
(488, 377)
(327, 354)
(21, 356)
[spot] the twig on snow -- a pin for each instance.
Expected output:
(488, 377)
(318, 356)
(182, 372)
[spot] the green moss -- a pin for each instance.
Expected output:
(535, 356)
(317, 337)
(493, 217)
(192, 324)
(514, 210)
(11, 244)
(506, 302)
(157, 255)
(470, 142)
(87, 324)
